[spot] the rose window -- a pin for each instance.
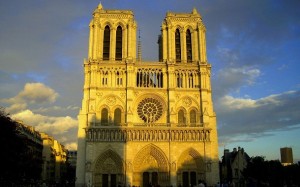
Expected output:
(150, 110)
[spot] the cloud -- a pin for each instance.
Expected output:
(14, 108)
(63, 128)
(36, 93)
(56, 110)
(248, 118)
(232, 79)
(71, 146)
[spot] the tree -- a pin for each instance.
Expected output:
(19, 163)
(260, 172)
(11, 166)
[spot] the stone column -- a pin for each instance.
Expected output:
(183, 46)
(134, 40)
(164, 41)
(171, 44)
(112, 53)
(91, 40)
(195, 45)
(129, 48)
(124, 43)
(95, 41)
(100, 43)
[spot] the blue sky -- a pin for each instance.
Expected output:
(253, 47)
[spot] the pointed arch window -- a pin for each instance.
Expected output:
(177, 46)
(104, 116)
(181, 117)
(119, 43)
(188, 46)
(117, 116)
(106, 43)
(193, 118)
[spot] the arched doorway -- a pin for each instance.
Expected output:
(109, 170)
(150, 167)
(191, 168)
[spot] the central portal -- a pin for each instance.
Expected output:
(150, 179)
(109, 180)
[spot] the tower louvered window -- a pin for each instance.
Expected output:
(119, 43)
(177, 46)
(188, 46)
(106, 43)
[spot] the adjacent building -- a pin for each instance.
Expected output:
(142, 122)
(54, 160)
(72, 158)
(286, 154)
(32, 156)
(232, 166)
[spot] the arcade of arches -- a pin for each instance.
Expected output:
(150, 166)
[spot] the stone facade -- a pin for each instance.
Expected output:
(232, 166)
(54, 160)
(146, 122)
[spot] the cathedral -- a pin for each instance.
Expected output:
(146, 123)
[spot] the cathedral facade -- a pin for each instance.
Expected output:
(146, 123)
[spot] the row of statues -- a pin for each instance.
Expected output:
(147, 135)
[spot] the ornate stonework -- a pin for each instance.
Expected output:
(146, 122)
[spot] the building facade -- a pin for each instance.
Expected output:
(286, 154)
(232, 166)
(142, 122)
(32, 157)
(54, 160)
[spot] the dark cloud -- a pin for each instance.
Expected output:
(238, 117)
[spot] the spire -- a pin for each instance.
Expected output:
(195, 11)
(100, 7)
(139, 48)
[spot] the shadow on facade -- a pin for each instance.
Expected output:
(150, 167)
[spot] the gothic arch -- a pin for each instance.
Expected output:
(113, 100)
(107, 23)
(121, 24)
(102, 107)
(191, 28)
(147, 153)
(180, 28)
(118, 106)
(190, 159)
(188, 102)
(109, 162)
(181, 108)
(193, 108)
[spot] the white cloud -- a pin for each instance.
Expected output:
(61, 128)
(55, 125)
(71, 146)
(14, 108)
(34, 93)
(237, 103)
